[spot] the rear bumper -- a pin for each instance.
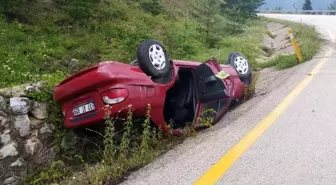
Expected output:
(93, 117)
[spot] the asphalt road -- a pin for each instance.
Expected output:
(299, 147)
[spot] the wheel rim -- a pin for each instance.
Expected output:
(157, 57)
(241, 65)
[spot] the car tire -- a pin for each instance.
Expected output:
(153, 59)
(241, 64)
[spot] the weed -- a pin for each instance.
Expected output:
(206, 117)
(110, 150)
(280, 62)
(249, 91)
(144, 147)
(54, 173)
(117, 159)
(127, 136)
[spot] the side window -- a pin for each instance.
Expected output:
(211, 111)
(217, 106)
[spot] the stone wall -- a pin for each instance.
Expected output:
(25, 136)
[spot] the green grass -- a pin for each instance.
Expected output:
(248, 43)
(46, 40)
(308, 40)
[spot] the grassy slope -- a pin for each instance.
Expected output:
(111, 30)
(308, 40)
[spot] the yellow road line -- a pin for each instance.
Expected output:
(221, 167)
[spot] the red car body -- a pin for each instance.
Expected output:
(129, 85)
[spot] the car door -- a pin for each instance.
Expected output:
(212, 94)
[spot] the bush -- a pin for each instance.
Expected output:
(154, 7)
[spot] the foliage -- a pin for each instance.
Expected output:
(17, 9)
(205, 11)
(250, 90)
(154, 7)
(307, 5)
(308, 40)
(278, 8)
(132, 151)
(238, 12)
(281, 62)
(237, 19)
(109, 152)
(247, 7)
(38, 38)
(54, 173)
(206, 117)
(332, 5)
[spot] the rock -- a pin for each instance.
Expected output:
(35, 87)
(46, 129)
(21, 90)
(3, 120)
(72, 63)
(22, 124)
(3, 104)
(5, 137)
(33, 145)
(2, 113)
(13, 180)
(13, 92)
(10, 180)
(35, 123)
(34, 132)
(19, 105)
(39, 110)
(48, 156)
(9, 150)
(17, 163)
(5, 92)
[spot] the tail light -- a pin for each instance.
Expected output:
(114, 96)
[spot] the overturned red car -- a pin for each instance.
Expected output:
(177, 91)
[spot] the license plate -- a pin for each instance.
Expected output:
(83, 109)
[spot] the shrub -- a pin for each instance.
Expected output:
(154, 7)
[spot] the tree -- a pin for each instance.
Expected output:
(246, 7)
(154, 7)
(278, 8)
(332, 5)
(22, 10)
(205, 11)
(307, 5)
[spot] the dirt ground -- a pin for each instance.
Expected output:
(276, 42)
